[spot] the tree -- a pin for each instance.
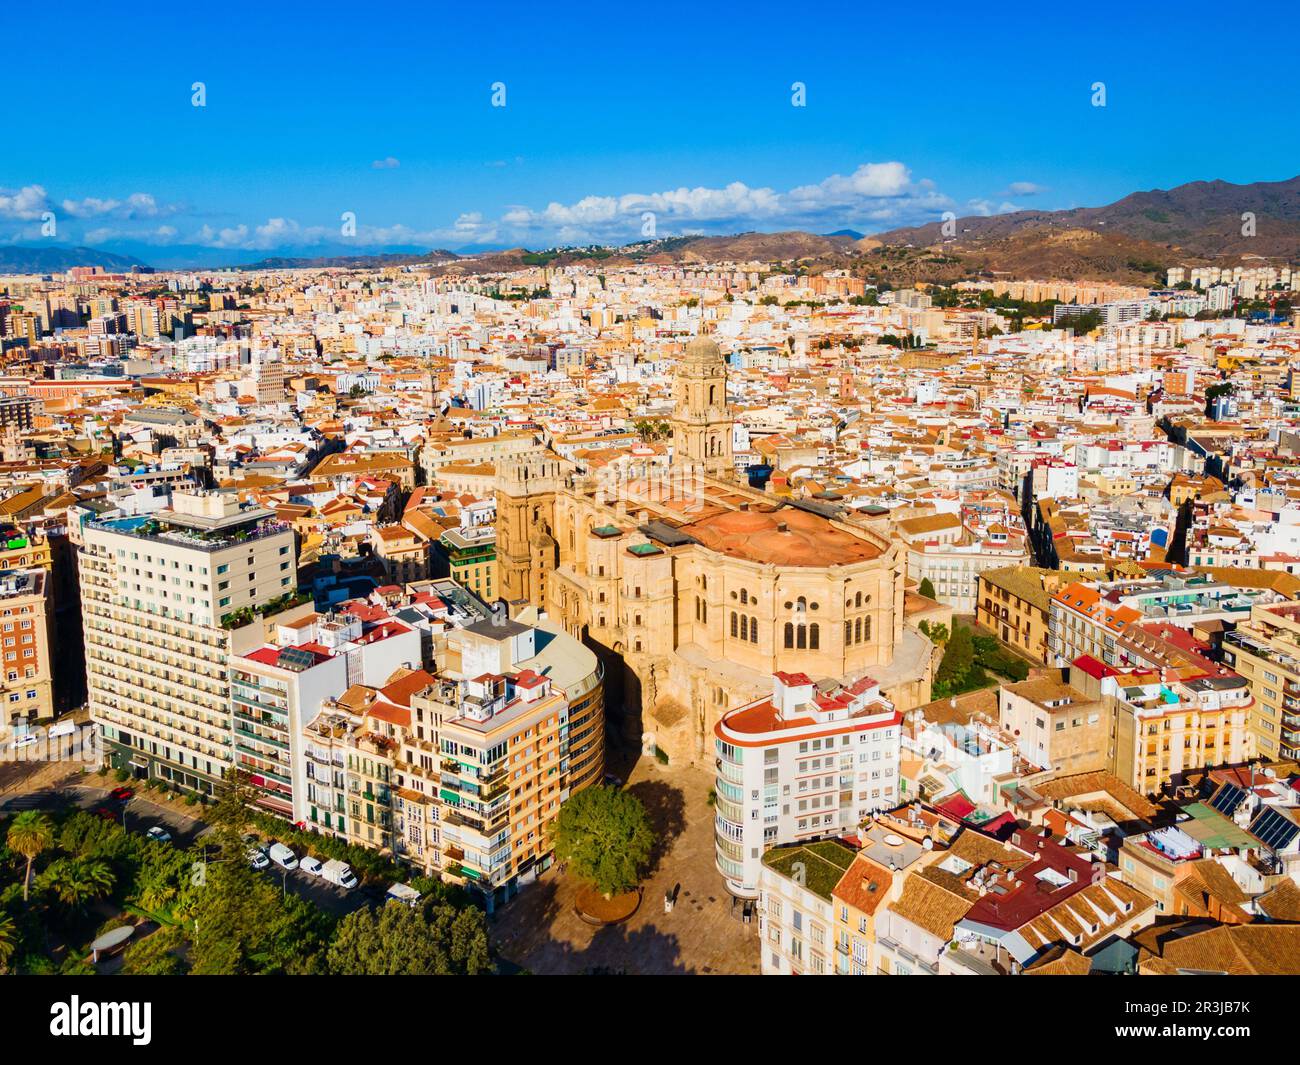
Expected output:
(607, 836)
(432, 939)
(927, 588)
(76, 882)
(243, 925)
(29, 835)
(155, 955)
(936, 633)
(958, 657)
(8, 940)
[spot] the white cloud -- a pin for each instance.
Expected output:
(1023, 188)
(872, 197)
(137, 205)
(23, 204)
(387, 163)
(989, 207)
(875, 194)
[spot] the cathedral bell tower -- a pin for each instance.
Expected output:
(701, 418)
(526, 549)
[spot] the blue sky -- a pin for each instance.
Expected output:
(680, 109)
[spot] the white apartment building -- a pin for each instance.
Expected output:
(167, 598)
(803, 764)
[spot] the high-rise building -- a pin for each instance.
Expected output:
(802, 764)
(167, 598)
(510, 729)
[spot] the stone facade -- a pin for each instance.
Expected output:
(698, 588)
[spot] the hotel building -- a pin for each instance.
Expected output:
(166, 600)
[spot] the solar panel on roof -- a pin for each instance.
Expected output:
(295, 659)
(1227, 799)
(1273, 828)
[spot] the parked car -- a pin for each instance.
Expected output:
(160, 834)
(122, 794)
(337, 872)
(283, 856)
(310, 866)
(257, 858)
(105, 813)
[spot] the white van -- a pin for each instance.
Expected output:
(283, 856)
(337, 872)
(403, 893)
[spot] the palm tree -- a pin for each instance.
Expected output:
(30, 834)
(78, 881)
(8, 940)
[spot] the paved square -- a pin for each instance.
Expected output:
(540, 931)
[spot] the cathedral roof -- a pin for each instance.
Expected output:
(783, 536)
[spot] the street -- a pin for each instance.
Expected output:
(140, 814)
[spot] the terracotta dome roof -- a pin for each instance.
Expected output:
(784, 536)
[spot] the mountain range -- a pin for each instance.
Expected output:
(1131, 240)
(18, 259)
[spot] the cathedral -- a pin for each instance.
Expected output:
(695, 587)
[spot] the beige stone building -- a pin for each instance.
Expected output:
(701, 586)
(1266, 651)
(1056, 726)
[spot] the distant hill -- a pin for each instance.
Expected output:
(55, 259)
(1132, 240)
(1125, 240)
(689, 250)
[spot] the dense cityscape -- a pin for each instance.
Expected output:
(729, 617)
(686, 492)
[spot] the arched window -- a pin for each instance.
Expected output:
(848, 632)
(713, 395)
(744, 626)
(801, 604)
(753, 630)
(814, 637)
(857, 599)
(789, 634)
(801, 637)
(866, 631)
(857, 631)
(733, 623)
(744, 595)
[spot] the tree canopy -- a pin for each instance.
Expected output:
(432, 939)
(606, 835)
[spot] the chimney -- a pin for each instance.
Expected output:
(782, 527)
